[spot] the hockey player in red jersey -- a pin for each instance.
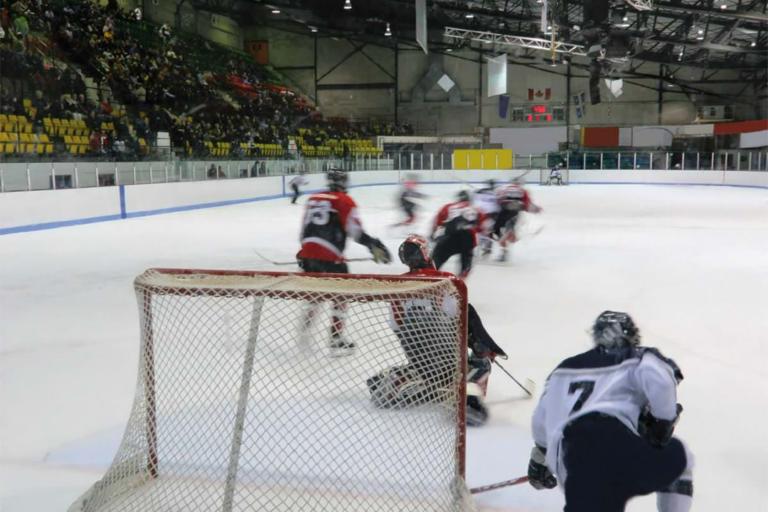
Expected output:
(513, 199)
(455, 232)
(329, 218)
(430, 366)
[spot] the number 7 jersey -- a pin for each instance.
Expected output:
(605, 382)
(329, 218)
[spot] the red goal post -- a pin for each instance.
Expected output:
(239, 407)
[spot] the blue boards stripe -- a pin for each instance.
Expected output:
(122, 202)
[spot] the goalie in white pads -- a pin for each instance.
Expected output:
(431, 366)
(556, 175)
(603, 426)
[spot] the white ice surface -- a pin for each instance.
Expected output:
(689, 263)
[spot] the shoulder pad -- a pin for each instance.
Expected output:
(656, 352)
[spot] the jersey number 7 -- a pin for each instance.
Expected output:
(586, 387)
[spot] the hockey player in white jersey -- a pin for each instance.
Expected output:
(485, 200)
(603, 426)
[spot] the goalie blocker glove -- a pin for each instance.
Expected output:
(539, 475)
(378, 250)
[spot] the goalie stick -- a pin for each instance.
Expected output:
(530, 383)
(499, 485)
(294, 262)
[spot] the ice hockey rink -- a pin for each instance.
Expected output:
(689, 263)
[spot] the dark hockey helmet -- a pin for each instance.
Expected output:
(613, 329)
(414, 252)
(463, 195)
(337, 179)
(491, 183)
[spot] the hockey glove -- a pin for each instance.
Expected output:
(654, 430)
(539, 475)
(379, 251)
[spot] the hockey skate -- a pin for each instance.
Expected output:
(341, 347)
(502, 257)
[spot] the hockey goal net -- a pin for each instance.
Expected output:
(239, 407)
(550, 177)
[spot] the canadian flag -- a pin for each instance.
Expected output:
(539, 94)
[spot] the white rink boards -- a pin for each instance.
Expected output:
(687, 262)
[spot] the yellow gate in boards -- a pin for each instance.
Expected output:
(483, 159)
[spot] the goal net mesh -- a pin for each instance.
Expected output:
(240, 406)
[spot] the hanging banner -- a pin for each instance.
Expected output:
(497, 75)
(503, 106)
(421, 25)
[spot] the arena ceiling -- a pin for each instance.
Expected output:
(711, 35)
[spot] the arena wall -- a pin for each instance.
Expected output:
(48, 209)
(342, 92)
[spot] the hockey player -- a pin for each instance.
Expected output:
(427, 376)
(329, 218)
(408, 196)
(455, 232)
(484, 199)
(295, 183)
(556, 175)
(512, 199)
(603, 426)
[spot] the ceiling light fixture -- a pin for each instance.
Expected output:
(723, 6)
(275, 11)
(449, 50)
(313, 29)
(388, 32)
(469, 15)
(753, 44)
(347, 5)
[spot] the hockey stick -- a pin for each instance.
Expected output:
(499, 485)
(294, 262)
(528, 381)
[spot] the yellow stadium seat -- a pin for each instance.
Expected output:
(81, 149)
(4, 137)
(49, 148)
(9, 147)
(40, 149)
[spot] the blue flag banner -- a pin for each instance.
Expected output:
(503, 105)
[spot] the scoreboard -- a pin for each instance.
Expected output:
(539, 113)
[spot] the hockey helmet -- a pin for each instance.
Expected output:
(614, 329)
(463, 195)
(337, 179)
(491, 183)
(414, 252)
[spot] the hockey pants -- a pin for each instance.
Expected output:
(607, 464)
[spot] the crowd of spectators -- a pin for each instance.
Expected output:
(153, 79)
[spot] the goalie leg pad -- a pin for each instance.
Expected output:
(398, 387)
